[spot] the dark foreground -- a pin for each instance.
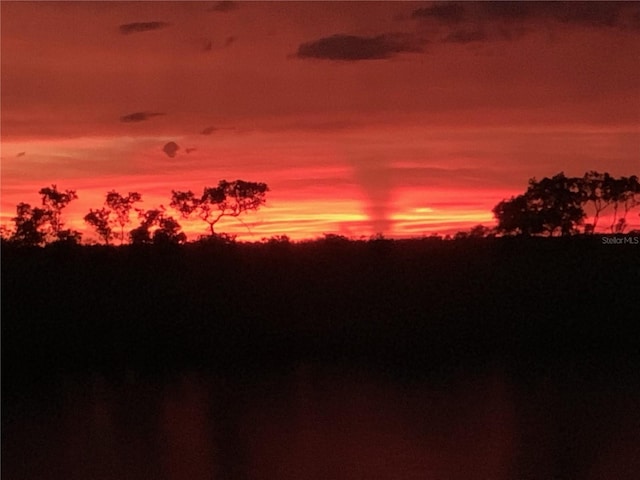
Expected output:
(489, 358)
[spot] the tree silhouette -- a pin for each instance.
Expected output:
(631, 197)
(559, 202)
(30, 225)
(549, 205)
(55, 201)
(596, 188)
(166, 231)
(33, 225)
(625, 192)
(5, 233)
(99, 219)
(69, 236)
(518, 216)
(121, 207)
(115, 214)
(227, 199)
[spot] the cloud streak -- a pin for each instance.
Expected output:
(465, 36)
(224, 6)
(447, 12)
(355, 48)
(139, 27)
(593, 14)
(466, 22)
(139, 116)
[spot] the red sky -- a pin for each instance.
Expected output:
(396, 117)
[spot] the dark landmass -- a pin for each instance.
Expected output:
(414, 305)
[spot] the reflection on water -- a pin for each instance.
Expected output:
(320, 423)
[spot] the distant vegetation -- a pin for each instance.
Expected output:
(37, 226)
(549, 207)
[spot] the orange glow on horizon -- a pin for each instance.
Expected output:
(316, 187)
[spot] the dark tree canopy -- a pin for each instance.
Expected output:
(30, 225)
(557, 204)
(517, 216)
(35, 226)
(557, 201)
(230, 199)
(166, 230)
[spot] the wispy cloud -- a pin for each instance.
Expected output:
(225, 6)
(465, 36)
(449, 12)
(354, 48)
(139, 116)
(138, 27)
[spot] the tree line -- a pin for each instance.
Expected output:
(557, 205)
(36, 226)
(549, 207)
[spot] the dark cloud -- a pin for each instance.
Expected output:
(583, 13)
(138, 27)
(635, 20)
(448, 12)
(207, 46)
(579, 13)
(190, 149)
(225, 6)
(596, 14)
(353, 48)
(229, 40)
(465, 36)
(507, 10)
(139, 116)
(502, 16)
(171, 148)
(208, 130)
